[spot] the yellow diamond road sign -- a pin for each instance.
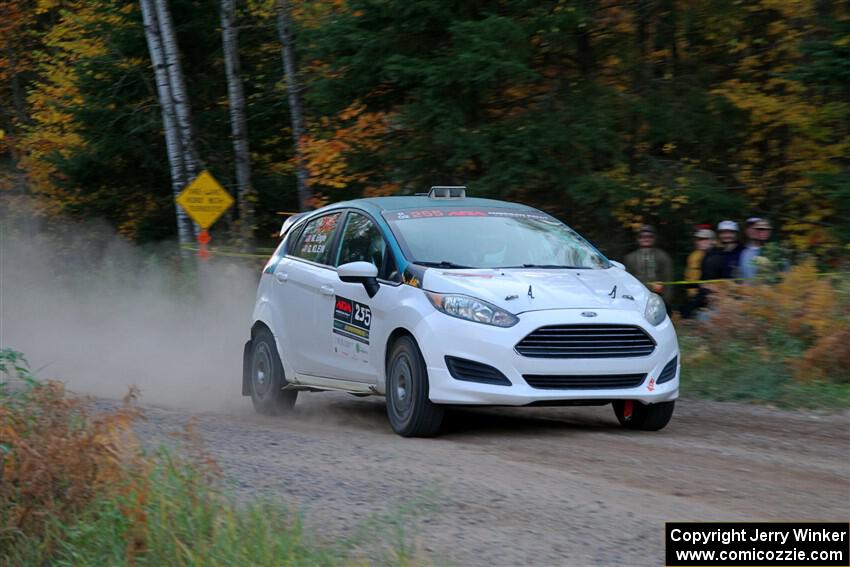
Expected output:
(204, 200)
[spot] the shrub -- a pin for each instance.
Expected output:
(803, 318)
(78, 489)
(56, 456)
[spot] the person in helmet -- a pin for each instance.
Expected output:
(722, 261)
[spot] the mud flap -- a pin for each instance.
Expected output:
(246, 369)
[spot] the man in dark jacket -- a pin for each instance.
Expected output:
(721, 262)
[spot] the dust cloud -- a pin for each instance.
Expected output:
(89, 309)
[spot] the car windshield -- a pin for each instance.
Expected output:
(493, 238)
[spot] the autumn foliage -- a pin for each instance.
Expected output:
(604, 113)
(802, 321)
(58, 456)
(77, 488)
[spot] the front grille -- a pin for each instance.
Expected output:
(669, 371)
(586, 341)
(583, 382)
(471, 371)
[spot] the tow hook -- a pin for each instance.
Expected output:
(628, 406)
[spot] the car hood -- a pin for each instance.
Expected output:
(521, 290)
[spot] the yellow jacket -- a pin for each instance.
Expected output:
(693, 269)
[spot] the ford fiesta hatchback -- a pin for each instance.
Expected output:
(439, 299)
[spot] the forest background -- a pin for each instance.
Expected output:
(605, 113)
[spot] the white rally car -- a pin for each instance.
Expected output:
(446, 300)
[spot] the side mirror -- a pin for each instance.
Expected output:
(364, 273)
(617, 264)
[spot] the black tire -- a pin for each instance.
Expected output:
(645, 417)
(409, 410)
(267, 377)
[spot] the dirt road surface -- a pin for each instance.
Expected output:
(541, 486)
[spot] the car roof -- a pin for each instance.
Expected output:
(401, 202)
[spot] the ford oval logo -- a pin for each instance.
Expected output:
(588, 314)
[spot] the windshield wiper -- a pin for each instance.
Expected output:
(442, 264)
(544, 266)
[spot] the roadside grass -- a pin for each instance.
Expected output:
(740, 373)
(780, 340)
(77, 488)
(173, 518)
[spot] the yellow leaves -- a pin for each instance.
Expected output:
(355, 130)
(648, 196)
(790, 129)
(804, 305)
(382, 190)
(44, 6)
(312, 15)
(53, 130)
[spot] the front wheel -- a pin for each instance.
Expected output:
(409, 410)
(267, 377)
(645, 417)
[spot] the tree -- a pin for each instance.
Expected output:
(173, 142)
(179, 94)
(293, 87)
(246, 196)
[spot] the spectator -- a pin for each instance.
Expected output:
(649, 264)
(703, 242)
(721, 262)
(758, 233)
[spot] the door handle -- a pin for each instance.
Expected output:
(281, 277)
(327, 290)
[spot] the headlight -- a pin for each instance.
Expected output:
(471, 309)
(655, 311)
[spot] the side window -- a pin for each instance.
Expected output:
(291, 240)
(315, 241)
(362, 241)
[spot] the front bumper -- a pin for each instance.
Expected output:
(440, 335)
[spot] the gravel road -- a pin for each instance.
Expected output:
(541, 486)
(536, 486)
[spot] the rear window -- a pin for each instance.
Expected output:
(315, 241)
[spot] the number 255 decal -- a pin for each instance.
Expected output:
(362, 314)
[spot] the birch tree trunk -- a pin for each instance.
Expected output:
(21, 117)
(245, 195)
(169, 121)
(293, 87)
(182, 111)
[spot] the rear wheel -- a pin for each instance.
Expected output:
(267, 377)
(409, 410)
(645, 417)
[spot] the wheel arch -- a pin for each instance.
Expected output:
(391, 338)
(246, 354)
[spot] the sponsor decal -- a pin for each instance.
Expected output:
(471, 212)
(351, 325)
(651, 385)
(316, 237)
(588, 313)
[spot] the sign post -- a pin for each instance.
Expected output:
(204, 200)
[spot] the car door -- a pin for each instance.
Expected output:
(303, 281)
(356, 324)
